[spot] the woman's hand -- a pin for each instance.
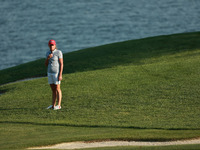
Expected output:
(47, 60)
(60, 78)
(50, 56)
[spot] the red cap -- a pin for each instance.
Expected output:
(52, 42)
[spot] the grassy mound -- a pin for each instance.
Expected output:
(144, 89)
(133, 52)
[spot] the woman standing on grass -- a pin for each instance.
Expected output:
(54, 62)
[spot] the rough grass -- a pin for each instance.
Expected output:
(177, 147)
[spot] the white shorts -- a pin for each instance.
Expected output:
(53, 78)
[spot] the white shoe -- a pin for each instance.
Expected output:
(57, 107)
(50, 107)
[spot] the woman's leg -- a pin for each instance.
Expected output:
(54, 94)
(59, 94)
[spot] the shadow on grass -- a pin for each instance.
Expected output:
(2, 109)
(107, 56)
(91, 126)
(3, 91)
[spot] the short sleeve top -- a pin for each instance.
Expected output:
(54, 65)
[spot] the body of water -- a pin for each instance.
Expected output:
(26, 26)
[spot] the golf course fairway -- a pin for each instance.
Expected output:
(137, 90)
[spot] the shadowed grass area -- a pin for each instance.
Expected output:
(107, 56)
(144, 89)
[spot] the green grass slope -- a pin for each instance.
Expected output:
(107, 56)
(144, 89)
